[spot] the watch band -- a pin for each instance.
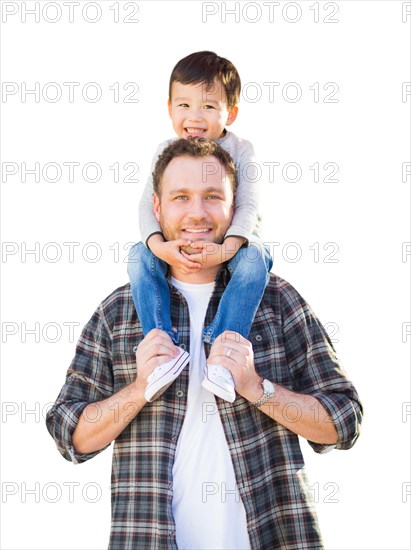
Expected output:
(263, 400)
(266, 395)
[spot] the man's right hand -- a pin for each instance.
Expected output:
(155, 349)
(169, 252)
(110, 416)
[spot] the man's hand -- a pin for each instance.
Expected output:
(110, 416)
(292, 410)
(171, 253)
(235, 353)
(155, 349)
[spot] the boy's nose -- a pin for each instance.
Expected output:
(195, 115)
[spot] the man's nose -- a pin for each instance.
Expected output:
(197, 209)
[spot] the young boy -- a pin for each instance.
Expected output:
(203, 95)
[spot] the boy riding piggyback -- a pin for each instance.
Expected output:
(203, 101)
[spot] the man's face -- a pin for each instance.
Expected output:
(196, 200)
(196, 112)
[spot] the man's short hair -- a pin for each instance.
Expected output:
(195, 148)
(205, 68)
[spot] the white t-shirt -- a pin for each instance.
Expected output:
(207, 507)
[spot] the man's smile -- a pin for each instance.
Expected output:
(196, 230)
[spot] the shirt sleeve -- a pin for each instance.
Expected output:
(316, 370)
(245, 216)
(89, 379)
(148, 222)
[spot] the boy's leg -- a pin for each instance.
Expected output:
(151, 293)
(249, 277)
(237, 308)
(151, 296)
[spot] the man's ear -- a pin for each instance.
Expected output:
(156, 201)
(232, 115)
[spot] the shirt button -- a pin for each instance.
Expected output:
(183, 346)
(258, 337)
(174, 439)
(170, 485)
(179, 393)
(135, 349)
(171, 533)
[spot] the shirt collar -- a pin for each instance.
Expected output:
(222, 278)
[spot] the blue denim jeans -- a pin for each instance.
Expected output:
(237, 308)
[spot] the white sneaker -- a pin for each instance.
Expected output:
(218, 380)
(164, 375)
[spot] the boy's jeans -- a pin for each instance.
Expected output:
(237, 308)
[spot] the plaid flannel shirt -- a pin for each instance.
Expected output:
(290, 347)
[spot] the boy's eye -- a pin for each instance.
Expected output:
(183, 105)
(208, 107)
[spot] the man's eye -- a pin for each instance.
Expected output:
(213, 197)
(180, 198)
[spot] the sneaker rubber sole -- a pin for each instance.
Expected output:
(218, 380)
(164, 375)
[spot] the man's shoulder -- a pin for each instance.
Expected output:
(278, 284)
(283, 294)
(118, 294)
(117, 306)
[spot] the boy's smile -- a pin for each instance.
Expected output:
(196, 111)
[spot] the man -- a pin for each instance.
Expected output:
(191, 470)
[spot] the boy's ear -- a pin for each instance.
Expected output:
(156, 201)
(232, 115)
(169, 106)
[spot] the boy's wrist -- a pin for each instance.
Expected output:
(154, 239)
(236, 239)
(232, 245)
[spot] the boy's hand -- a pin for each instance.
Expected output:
(206, 253)
(212, 254)
(169, 252)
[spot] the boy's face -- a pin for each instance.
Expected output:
(196, 112)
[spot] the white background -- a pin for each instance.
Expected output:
(355, 277)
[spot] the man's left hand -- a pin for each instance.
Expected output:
(235, 353)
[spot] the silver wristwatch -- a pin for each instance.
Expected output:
(269, 391)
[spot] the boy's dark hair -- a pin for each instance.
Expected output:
(204, 68)
(196, 148)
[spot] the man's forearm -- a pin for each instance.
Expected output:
(301, 413)
(101, 422)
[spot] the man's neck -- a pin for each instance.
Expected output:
(199, 277)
